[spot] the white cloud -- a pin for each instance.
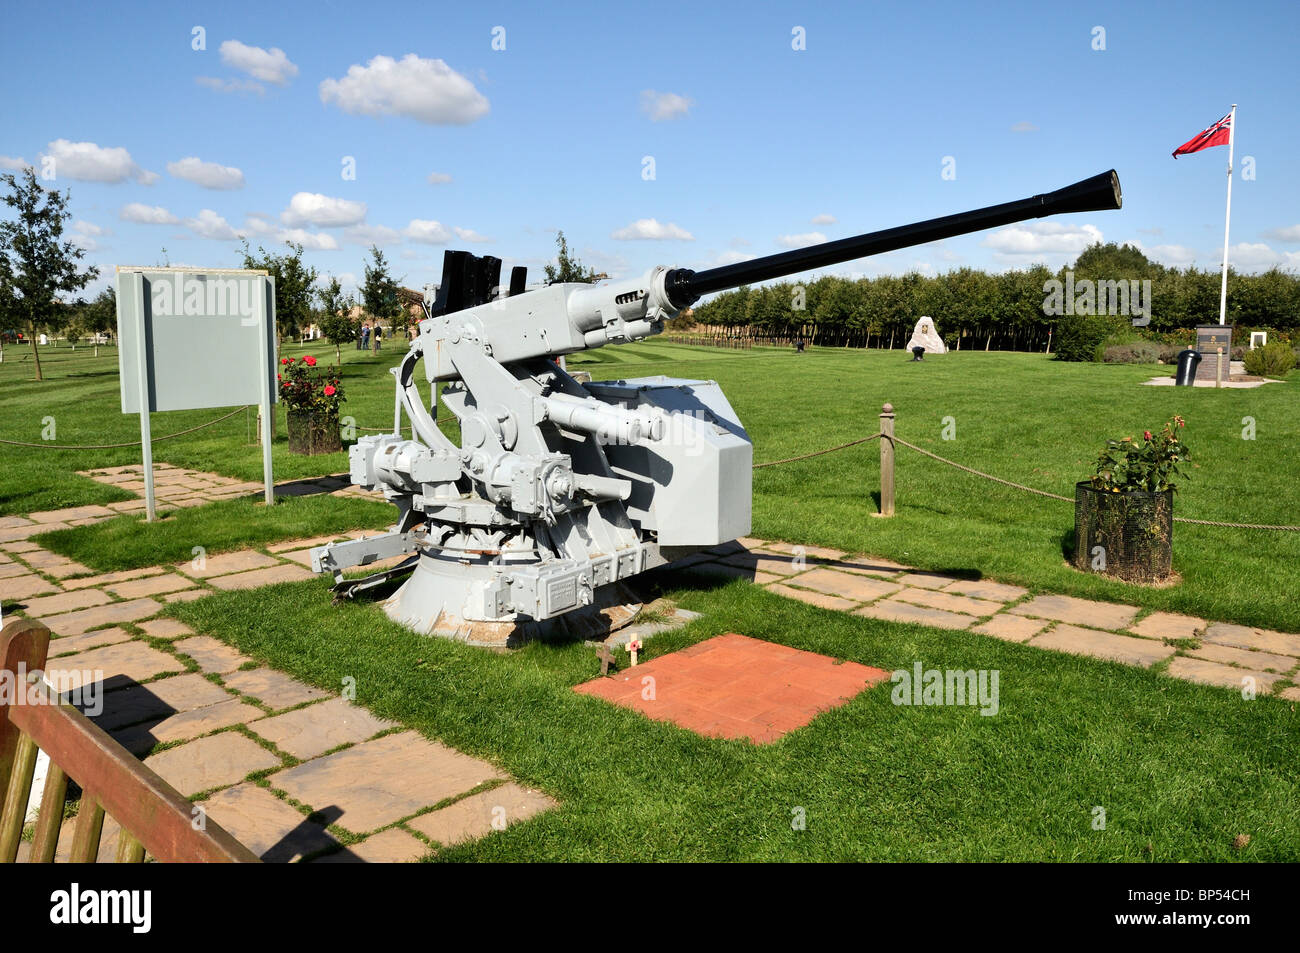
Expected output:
(1035, 238)
(371, 235)
(84, 234)
(312, 208)
(208, 224)
(427, 90)
(270, 66)
(799, 241)
(649, 229)
(824, 219)
(210, 175)
(1175, 256)
(427, 232)
(88, 162)
(16, 163)
(258, 224)
(1024, 126)
(230, 85)
(662, 106)
(147, 214)
(469, 235)
(1289, 233)
(725, 258)
(317, 241)
(438, 178)
(1256, 256)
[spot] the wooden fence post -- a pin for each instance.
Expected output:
(887, 460)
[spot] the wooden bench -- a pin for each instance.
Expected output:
(155, 818)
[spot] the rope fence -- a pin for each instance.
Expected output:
(887, 475)
(117, 446)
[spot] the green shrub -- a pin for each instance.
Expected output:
(1134, 352)
(1272, 360)
(1084, 337)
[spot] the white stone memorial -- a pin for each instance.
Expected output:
(926, 337)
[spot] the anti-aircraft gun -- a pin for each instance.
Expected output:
(561, 490)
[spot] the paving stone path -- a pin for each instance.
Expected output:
(291, 771)
(295, 772)
(1197, 650)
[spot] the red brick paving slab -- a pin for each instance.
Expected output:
(732, 686)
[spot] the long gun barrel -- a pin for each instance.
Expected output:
(1095, 194)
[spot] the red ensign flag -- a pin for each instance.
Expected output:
(1216, 135)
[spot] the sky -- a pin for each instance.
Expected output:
(686, 134)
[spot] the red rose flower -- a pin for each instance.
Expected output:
(1146, 435)
(284, 360)
(329, 390)
(309, 361)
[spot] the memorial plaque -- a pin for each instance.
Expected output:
(1209, 338)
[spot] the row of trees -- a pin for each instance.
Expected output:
(1005, 310)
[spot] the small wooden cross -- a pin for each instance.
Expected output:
(634, 646)
(606, 659)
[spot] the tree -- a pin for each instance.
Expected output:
(379, 292)
(100, 316)
(293, 285)
(336, 316)
(567, 266)
(36, 265)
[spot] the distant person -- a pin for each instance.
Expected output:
(365, 337)
(379, 334)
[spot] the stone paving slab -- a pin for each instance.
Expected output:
(224, 564)
(480, 814)
(1169, 625)
(109, 578)
(1104, 645)
(158, 700)
(1011, 628)
(1100, 615)
(273, 689)
(17, 588)
(69, 644)
(65, 602)
(808, 552)
(75, 623)
(948, 601)
(186, 595)
(891, 610)
(9, 568)
(735, 572)
(182, 726)
(151, 586)
(1226, 676)
(166, 628)
(311, 731)
(777, 565)
(211, 762)
(1226, 654)
(845, 585)
(928, 580)
(987, 589)
(378, 782)
(109, 664)
(211, 655)
(393, 846)
(821, 599)
(1245, 637)
(267, 825)
(282, 572)
(880, 568)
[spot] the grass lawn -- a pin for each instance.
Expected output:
(1020, 416)
(128, 542)
(1179, 769)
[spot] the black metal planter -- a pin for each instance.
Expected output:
(1127, 535)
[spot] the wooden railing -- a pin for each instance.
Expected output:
(154, 817)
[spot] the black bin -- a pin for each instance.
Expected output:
(1187, 364)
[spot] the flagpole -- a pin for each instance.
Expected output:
(1227, 220)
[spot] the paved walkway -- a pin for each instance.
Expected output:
(291, 771)
(1197, 650)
